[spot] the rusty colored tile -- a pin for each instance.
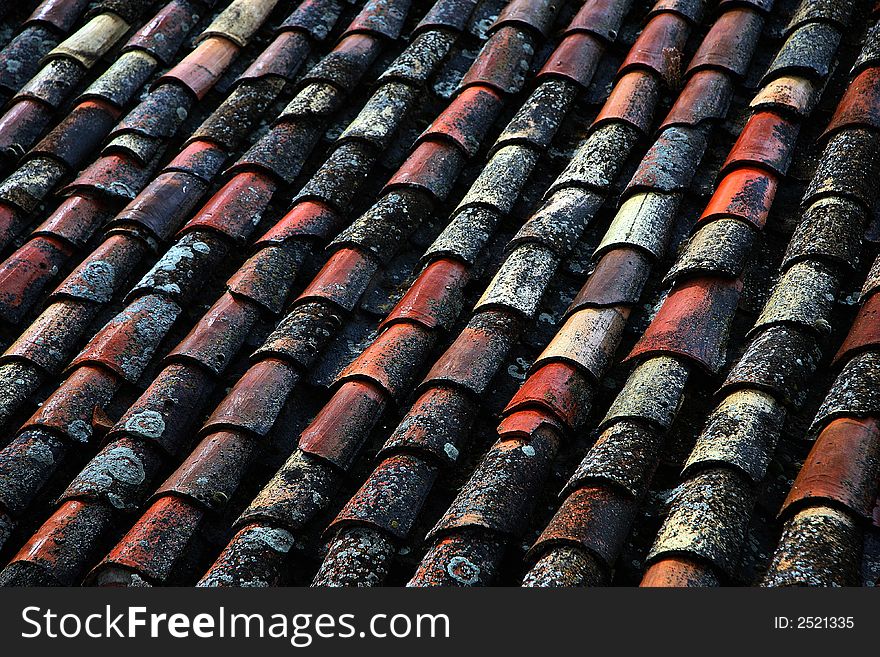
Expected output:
(152, 547)
(864, 332)
(282, 59)
(62, 548)
(76, 219)
(22, 124)
(163, 204)
(575, 58)
(596, 518)
(745, 193)
(601, 18)
(343, 425)
(256, 399)
(236, 208)
(860, 105)
(433, 167)
(342, 280)
(70, 409)
(165, 32)
(50, 339)
(537, 16)
(79, 133)
(127, 342)
(200, 158)
(617, 279)
(679, 572)
(466, 120)
(705, 97)
(730, 42)
(658, 47)
(218, 335)
(526, 423)
(693, 322)
(473, 358)
(169, 410)
(60, 14)
(393, 359)
(503, 62)
(307, 219)
(558, 387)
(632, 100)
(767, 140)
(842, 468)
(118, 176)
(26, 272)
(434, 299)
(212, 472)
(200, 70)
(104, 271)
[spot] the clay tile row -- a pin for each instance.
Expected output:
(194, 489)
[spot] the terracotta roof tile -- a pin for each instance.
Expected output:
(149, 219)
